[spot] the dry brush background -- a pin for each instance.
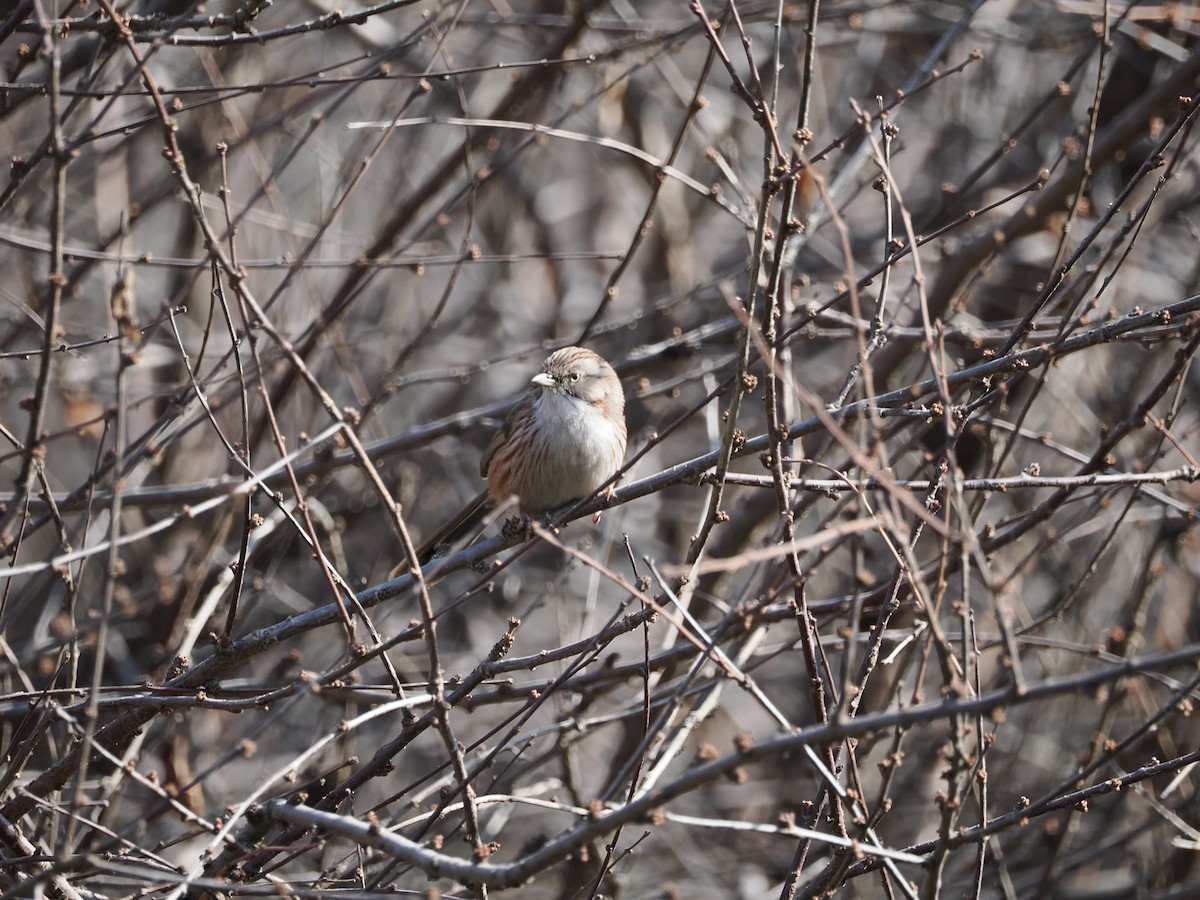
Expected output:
(896, 596)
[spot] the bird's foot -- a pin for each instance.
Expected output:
(606, 497)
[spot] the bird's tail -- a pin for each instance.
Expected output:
(467, 519)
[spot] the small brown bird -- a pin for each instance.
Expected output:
(564, 439)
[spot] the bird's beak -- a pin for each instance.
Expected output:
(541, 379)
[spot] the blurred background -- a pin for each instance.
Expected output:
(273, 273)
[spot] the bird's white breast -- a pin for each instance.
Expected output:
(585, 451)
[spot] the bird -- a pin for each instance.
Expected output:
(563, 439)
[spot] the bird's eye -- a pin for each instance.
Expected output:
(574, 376)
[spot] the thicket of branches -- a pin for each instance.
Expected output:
(896, 596)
